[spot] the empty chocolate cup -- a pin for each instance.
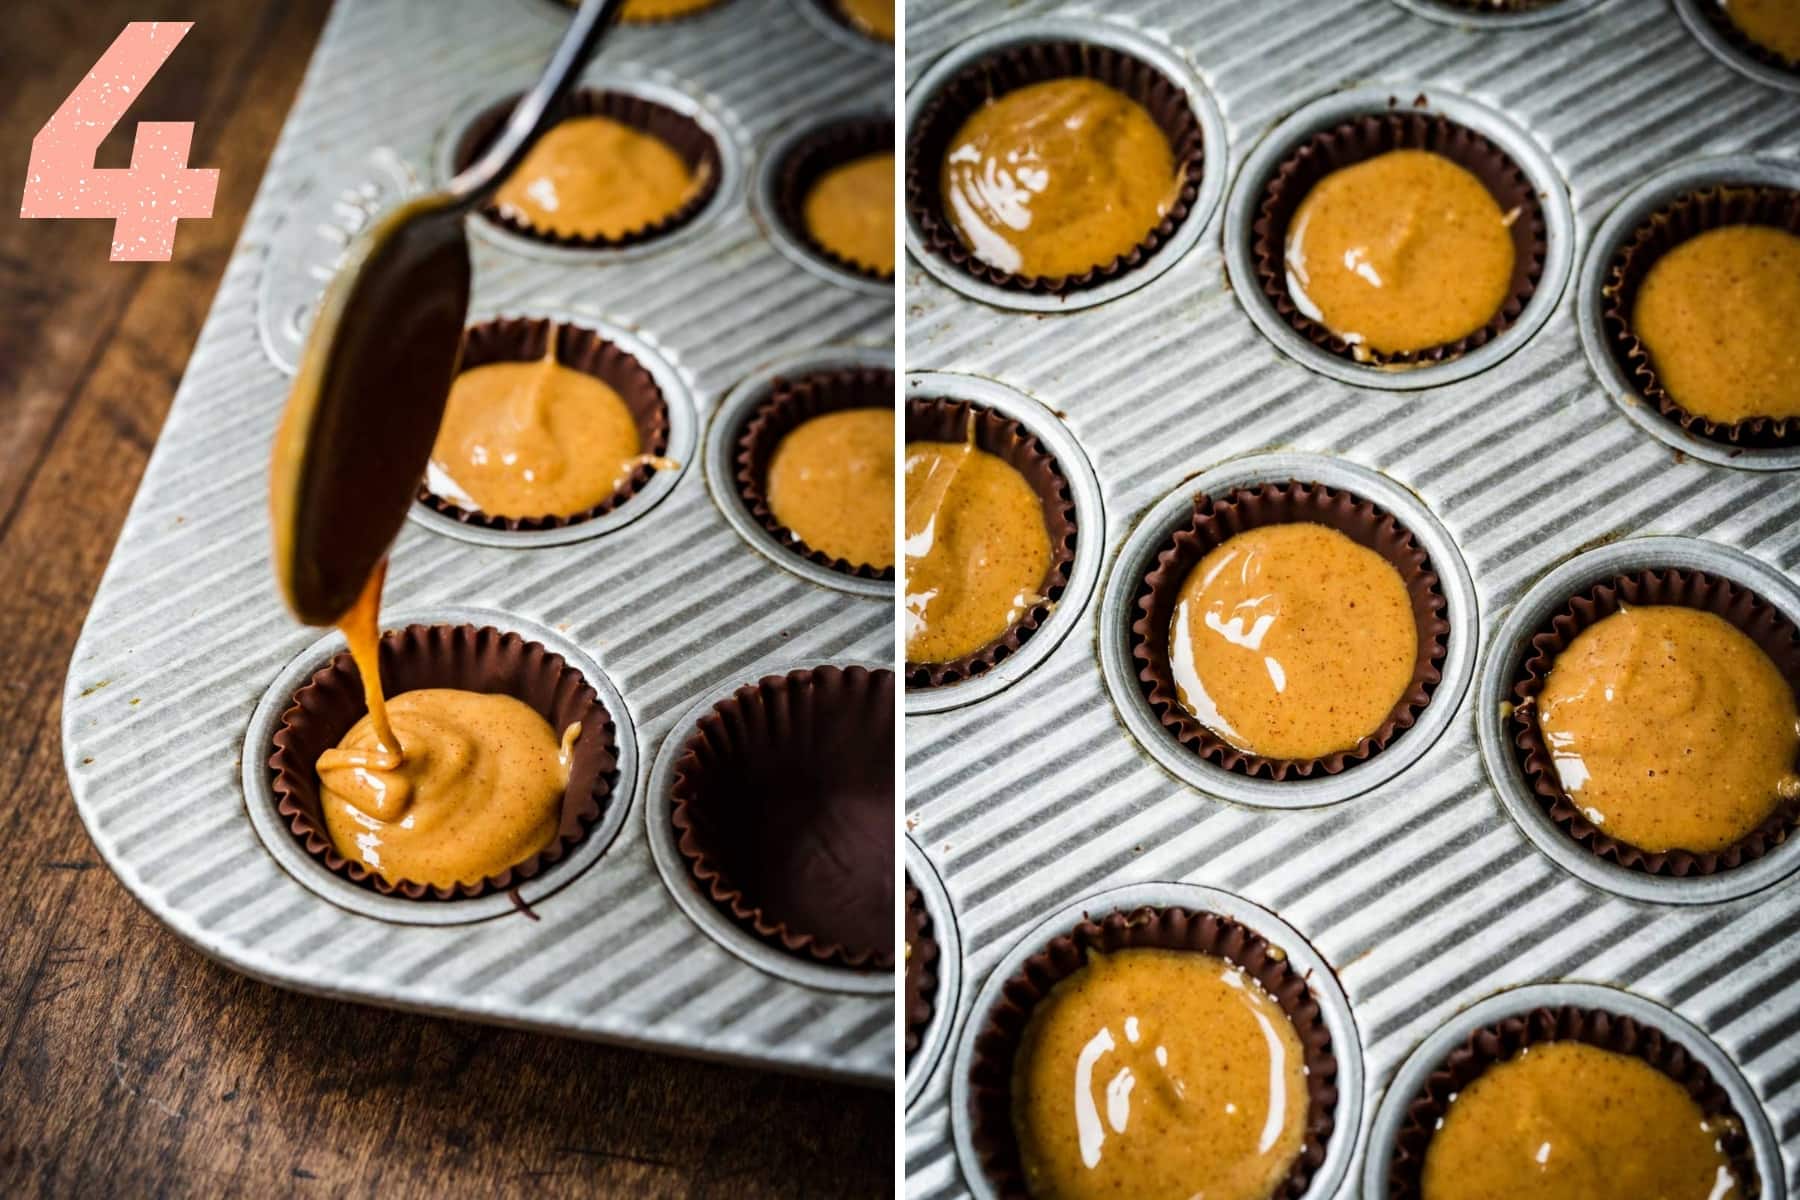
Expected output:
(784, 803)
(1015, 67)
(1362, 138)
(931, 419)
(683, 134)
(524, 339)
(1496, 1043)
(1217, 520)
(1715, 14)
(1760, 621)
(443, 656)
(1688, 216)
(1003, 1027)
(921, 969)
(809, 158)
(790, 404)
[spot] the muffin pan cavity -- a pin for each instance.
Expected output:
(792, 162)
(1707, 21)
(946, 993)
(1498, 14)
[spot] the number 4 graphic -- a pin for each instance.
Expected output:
(157, 190)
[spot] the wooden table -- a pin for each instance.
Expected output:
(128, 1063)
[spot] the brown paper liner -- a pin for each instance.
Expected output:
(827, 147)
(1688, 216)
(1003, 1026)
(522, 339)
(1362, 138)
(1719, 19)
(921, 969)
(931, 419)
(1217, 520)
(790, 404)
(683, 134)
(1761, 622)
(784, 802)
(1016, 67)
(1496, 1043)
(443, 656)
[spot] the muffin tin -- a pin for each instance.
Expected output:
(1419, 892)
(188, 655)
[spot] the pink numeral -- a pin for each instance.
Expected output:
(157, 190)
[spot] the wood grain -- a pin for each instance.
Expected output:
(129, 1064)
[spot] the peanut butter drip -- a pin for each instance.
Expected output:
(1159, 1074)
(874, 18)
(1292, 641)
(533, 439)
(361, 627)
(849, 210)
(1057, 178)
(1720, 316)
(1569, 1121)
(831, 481)
(977, 549)
(1670, 729)
(596, 177)
(1772, 24)
(661, 10)
(1400, 252)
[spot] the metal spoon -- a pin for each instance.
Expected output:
(360, 421)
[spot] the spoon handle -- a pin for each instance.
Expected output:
(479, 179)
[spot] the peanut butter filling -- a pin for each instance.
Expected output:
(977, 549)
(1159, 1074)
(1569, 1121)
(1720, 316)
(1772, 24)
(660, 10)
(873, 18)
(831, 481)
(1293, 641)
(596, 177)
(849, 210)
(1057, 178)
(1400, 252)
(1670, 729)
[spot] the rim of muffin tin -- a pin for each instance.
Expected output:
(923, 874)
(272, 828)
(678, 877)
(689, 99)
(765, 190)
(1500, 669)
(813, 13)
(1308, 963)
(1244, 205)
(1090, 533)
(721, 466)
(1638, 205)
(684, 438)
(1430, 1054)
(1721, 47)
(1451, 14)
(1153, 50)
(1118, 610)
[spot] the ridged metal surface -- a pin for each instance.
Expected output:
(187, 631)
(1423, 895)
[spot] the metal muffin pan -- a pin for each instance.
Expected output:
(923, 875)
(1733, 56)
(163, 737)
(764, 202)
(1450, 12)
(1422, 895)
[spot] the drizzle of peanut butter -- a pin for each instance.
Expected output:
(1400, 252)
(1670, 729)
(596, 177)
(1159, 1074)
(874, 18)
(1570, 1121)
(1056, 178)
(831, 481)
(1772, 24)
(1292, 641)
(849, 210)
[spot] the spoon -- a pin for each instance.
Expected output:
(357, 432)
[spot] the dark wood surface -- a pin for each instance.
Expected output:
(128, 1063)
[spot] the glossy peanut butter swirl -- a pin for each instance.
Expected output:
(1292, 641)
(1569, 1121)
(977, 549)
(874, 18)
(1400, 252)
(831, 481)
(1670, 729)
(849, 210)
(1057, 178)
(1160, 1075)
(1720, 316)
(596, 177)
(1771, 24)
